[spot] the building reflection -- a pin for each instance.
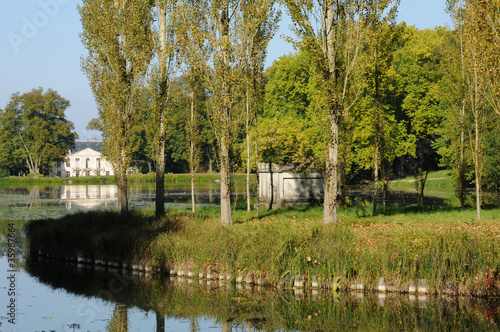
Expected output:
(88, 196)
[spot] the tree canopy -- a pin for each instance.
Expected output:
(35, 131)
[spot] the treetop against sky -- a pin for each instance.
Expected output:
(40, 47)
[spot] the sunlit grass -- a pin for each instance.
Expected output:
(443, 244)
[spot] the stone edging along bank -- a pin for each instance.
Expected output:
(419, 286)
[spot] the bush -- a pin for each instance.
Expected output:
(4, 173)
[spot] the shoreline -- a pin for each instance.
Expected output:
(289, 250)
(299, 282)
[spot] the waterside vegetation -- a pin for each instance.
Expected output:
(135, 178)
(447, 247)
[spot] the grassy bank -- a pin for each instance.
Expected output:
(454, 253)
(135, 178)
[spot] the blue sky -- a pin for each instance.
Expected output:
(40, 47)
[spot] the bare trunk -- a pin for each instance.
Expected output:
(121, 180)
(377, 128)
(191, 158)
(386, 194)
(160, 181)
(225, 193)
(160, 153)
(461, 165)
(423, 180)
(477, 170)
(271, 183)
(375, 173)
(257, 165)
(33, 167)
(247, 128)
(476, 147)
(331, 178)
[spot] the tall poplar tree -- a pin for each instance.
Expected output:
(260, 20)
(455, 93)
(119, 41)
(331, 32)
(163, 73)
(193, 35)
(382, 37)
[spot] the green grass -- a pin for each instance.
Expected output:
(448, 248)
(135, 178)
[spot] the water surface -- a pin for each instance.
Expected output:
(51, 296)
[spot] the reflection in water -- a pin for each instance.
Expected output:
(242, 307)
(119, 321)
(32, 202)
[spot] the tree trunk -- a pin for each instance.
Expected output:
(247, 128)
(226, 326)
(225, 192)
(257, 166)
(160, 322)
(121, 181)
(331, 178)
(423, 180)
(375, 173)
(161, 102)
(224, 118)
(461, 165)
(191, 157)
(477, 164)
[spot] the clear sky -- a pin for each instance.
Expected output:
(40, 47)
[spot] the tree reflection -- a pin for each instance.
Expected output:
(119, 321)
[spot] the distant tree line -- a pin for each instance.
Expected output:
(181, 87)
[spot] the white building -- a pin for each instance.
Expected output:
(85, 160)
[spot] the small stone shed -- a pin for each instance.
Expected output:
(281, 186)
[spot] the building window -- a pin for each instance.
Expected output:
(98, 161)
(77, 163)
(77, 173)
(87, 162)
(68, 163)
(107, 172)
(59, 164)
(87, 173)
(58, 174)
(98, 173)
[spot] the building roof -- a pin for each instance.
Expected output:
(94, 144)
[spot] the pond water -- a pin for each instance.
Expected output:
(40, 295)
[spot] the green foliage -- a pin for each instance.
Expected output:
(35, 131)
(287, 88)
(4, 173)
(120, 42)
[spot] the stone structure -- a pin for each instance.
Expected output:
(283, 186)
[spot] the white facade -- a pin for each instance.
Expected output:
(86, 162)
